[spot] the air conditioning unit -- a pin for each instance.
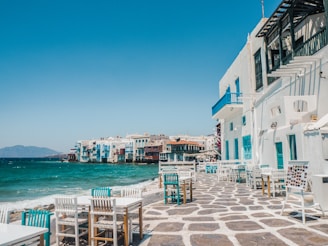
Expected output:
(319, 189)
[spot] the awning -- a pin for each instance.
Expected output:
(301, 9)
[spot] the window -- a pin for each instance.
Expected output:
(237, 87)
(236, 149)
(243, 120)
(292, 147)
(275, 111)
(300, 106)
(247, 147)
(231, 126)
(258, 70)
(227, 149)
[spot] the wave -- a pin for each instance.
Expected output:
(49, 199)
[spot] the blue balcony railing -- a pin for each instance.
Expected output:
(227, 99)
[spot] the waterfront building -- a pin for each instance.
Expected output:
(272, 99)
(139, 142)
(144, 148)
(178, 150)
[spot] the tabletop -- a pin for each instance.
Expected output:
(15, 233)
(120, 201)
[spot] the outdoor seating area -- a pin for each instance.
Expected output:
(176, 179)
(116, 219)
(95, 220)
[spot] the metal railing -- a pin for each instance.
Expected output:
(227, 99)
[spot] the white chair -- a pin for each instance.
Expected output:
(135, 193)
(223, 172)
(131, 192)
(70, 221)
(277, 180)
(104, 224)
(253, 176)
(297, 187)
(4, 214)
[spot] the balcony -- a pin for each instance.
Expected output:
(228, 105)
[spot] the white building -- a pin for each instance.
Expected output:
(272, 99)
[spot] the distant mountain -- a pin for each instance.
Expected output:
(26, 151)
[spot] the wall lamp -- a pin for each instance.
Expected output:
(274, 125)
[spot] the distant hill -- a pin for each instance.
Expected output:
(26, 151)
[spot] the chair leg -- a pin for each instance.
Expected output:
(130, 231)
(77, 241)
(303, 212)
(178, 195)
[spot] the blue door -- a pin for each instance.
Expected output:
(236, 149)
(227, 149)
(280, 158)
(247, 147)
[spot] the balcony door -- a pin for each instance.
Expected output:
(280, 157)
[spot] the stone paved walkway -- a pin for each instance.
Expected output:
(225, 213)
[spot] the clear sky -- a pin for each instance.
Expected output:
(73, 70)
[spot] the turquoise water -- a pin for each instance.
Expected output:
(27, 182)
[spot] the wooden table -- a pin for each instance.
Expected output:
(123, 206)
(267, 175)
(11, 234)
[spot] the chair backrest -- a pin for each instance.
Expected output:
(278, 174)
(297, 175)
(4, 214)
(266, 170)
(185, 174)
(168, 170)
(66, 205)
(38, 218)
(103, 206)
(131, 192)
(101, 191)
(171, 179)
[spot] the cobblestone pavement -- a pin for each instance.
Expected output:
(226, 213)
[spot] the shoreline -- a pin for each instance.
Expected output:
(150, 193)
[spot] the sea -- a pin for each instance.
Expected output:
(28, 182)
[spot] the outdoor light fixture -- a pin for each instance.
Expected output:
(274, 125)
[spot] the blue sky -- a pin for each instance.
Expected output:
(74, 70)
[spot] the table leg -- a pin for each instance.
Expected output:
(269, 192)
(184, 192)
(262, 186)
(140, 222)
(126, 227)
(190, 187)
(41, 240)
(160, 181)
(89, 227)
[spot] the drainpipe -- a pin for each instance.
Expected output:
(325, 5)
(252, 109)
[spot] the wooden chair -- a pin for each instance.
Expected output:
(4, 214)
(104, 224)
(171, 187)
(136, 193)
(38, 218)
(70, 221)
(101, 191)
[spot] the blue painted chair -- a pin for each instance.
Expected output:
(171, 187)
(38, 218)
(101, 191)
